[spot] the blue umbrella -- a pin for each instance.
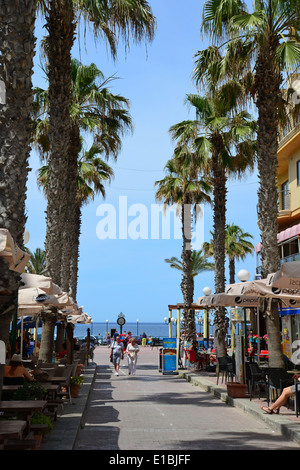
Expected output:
(29, 322)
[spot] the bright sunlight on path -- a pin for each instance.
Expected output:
(151, 411)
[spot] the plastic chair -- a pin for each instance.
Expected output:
(67, 373)
(225, 366)
(13, 381)
(258, 377)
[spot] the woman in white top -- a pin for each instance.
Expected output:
(132, 350)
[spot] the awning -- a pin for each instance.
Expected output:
(284, 235)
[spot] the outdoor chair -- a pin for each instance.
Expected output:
(277, 379)
(13, 381)
(226, 367)
(258, 378)
(67, 373)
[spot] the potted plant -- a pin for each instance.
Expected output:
(40, 418)
(30, 391)
(75, 385)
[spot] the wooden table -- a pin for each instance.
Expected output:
(52, 389)
(12, 429)
(24, 409)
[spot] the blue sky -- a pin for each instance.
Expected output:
(126, 275)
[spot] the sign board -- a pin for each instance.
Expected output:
(286, 336)
(237, 314)
(169, 356)
(2, 353)
(239, 360)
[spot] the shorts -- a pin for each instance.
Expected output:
(116, 359)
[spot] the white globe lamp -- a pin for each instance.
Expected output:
(243, 275)
(207, 291)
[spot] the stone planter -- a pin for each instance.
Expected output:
(236, 390)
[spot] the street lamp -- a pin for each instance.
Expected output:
(137, 327)
(206, 291)
(106, 326)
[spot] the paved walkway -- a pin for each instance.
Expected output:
(152, 411)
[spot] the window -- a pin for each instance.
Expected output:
(298, 173)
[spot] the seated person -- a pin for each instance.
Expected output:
(286, 393)
(63, 352)
(15, 369)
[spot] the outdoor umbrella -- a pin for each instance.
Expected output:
(287, 278)
(43, 282)
(83, 318)
(9, 250)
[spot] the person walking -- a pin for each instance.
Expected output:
(144, 339)
(116, 354)
(132, 351)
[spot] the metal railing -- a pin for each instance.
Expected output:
(284, 200)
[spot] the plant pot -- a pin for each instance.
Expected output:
(38, 438)
(236, 390)
(75, 389)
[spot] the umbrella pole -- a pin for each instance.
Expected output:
(22, 327)
(258, 336)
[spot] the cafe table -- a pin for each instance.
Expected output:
(23, 409)
(51, 389)
(12, 429)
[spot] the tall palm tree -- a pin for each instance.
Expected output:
(217, 133)
(17, 49)
(36, 264)
(130, 19)
(237, 246)
(96, 111)
(272, 32)
(199, 264)
(93, 172)
(187, 190)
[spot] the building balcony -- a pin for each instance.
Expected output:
(284, 202)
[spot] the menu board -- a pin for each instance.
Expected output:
(169, 356)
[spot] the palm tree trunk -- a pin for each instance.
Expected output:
(231, 270)
(70, 249)
(61, 27)
(75, 253)
(17, 49)
(219, 216)
(49, 318)
(268, 89)
(187, 283)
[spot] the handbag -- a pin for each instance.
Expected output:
(111, 359)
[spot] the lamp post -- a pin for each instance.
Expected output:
(137, 327)
(206, 291)
(106, 326)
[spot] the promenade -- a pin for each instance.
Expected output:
(151, 411)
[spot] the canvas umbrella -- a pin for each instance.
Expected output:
(287, 278)
(9, 250)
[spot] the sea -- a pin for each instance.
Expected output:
(156, 330)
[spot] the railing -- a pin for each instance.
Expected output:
(284, 199)
(286, 259)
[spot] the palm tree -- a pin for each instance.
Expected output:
(93, 171)
(237, 247)
(36, 264)
(271, 31)
(111, 18)
(187, 190)
(199, 264)
(216, 133)
(17, 49)
(96, 111)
